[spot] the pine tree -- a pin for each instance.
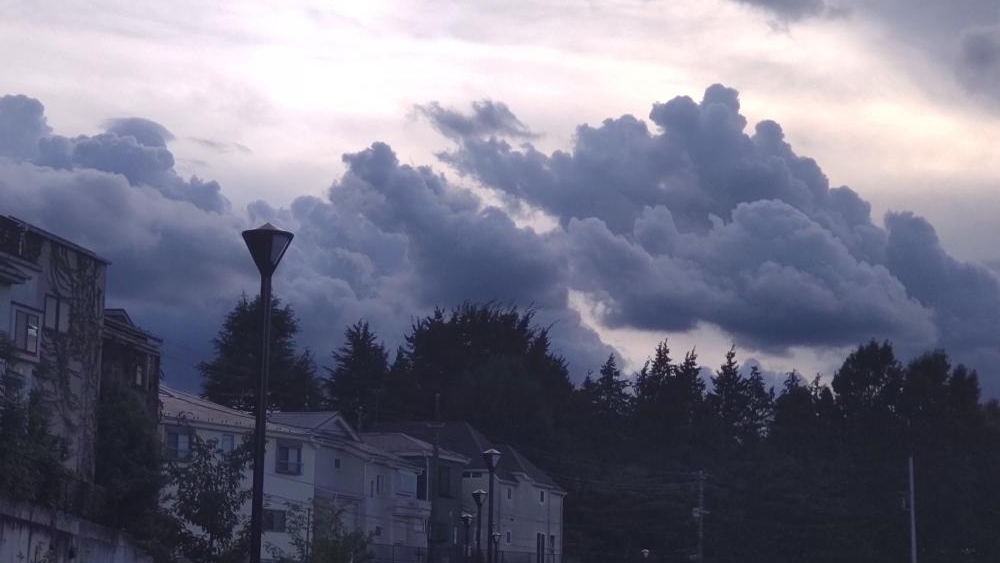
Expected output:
(231, 377)
(359, 374)
(728, 398)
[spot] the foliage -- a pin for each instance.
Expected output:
(231, 377)
(128, 463)
(358, 377)
(205, 496)
(31, 467)
(318, 535)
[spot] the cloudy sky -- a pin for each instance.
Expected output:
(792, 176)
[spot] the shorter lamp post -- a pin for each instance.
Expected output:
(645, 554)
(496, 547)
(467, 520)
(491, 457)
(479, 495)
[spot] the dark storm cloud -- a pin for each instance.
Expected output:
(702, 222)
(145, 132)
(136, 149)
(22, 125)
(488, 118)
(980, 58)
(662, 226)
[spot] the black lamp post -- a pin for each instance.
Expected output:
(479, 495)
(267, 245)
(496, 547)
(491, 457)
(467, 520)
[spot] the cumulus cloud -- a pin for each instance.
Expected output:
(666, 224)
(792, 10)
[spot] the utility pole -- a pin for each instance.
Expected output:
(432, 480)
(913, 514)
(699, 513)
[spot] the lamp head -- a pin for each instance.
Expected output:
(267, 245)
(479, 496)
(491, 457)
(466, 519)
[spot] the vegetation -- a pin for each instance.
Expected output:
(318, 535)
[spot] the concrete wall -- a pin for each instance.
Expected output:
(31, 534)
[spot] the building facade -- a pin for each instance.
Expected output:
(52, 304)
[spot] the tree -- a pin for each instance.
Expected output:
(205, 499)
(728, 398)
(358, 377)
(231, 377)
(318, 535)
(31, 467)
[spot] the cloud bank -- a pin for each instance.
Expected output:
(663, 225)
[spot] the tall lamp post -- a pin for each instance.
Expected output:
(479, 495)
(491, 457)
(267, 246)
(467, 520)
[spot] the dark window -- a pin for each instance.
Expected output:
(378, 531)
(510, 493)
(228, 443)
(56, 313)
(378, 484)
(444, 482)
(273, 520)
(422, 485)
(289, 460)
(177, 445)
(336, 463)
(541, 496)
(26, 331)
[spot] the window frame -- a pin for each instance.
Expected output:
(60, 313)
(284, 465)
(22, 346)
(270, 519)
(223, 446)
(173, 452)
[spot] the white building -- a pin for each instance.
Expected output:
(311, 455)
(528, 504)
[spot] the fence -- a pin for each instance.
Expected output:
(385, 553)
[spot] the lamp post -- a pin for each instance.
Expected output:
(496, 547)
(479, 495)
(467, 520)
(267, 245)
(491, 457)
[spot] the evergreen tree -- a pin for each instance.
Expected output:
(231, 377)
(728, 398)
(361, 367)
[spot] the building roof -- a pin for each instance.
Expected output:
(118, 324)
(405, 445)
(57, 239)
(463, 438)
(184, 406)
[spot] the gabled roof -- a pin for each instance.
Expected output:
(405, 445)
(329, 423)
(463, 438)
(181, 406)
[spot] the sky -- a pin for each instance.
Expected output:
(792, 177)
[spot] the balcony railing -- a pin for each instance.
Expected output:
(17, 240)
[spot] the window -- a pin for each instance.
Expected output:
(336, 463)
(510, 493)
(26, 331)
(177, 446)
(273, 520)
(56, 313)
(228, 443)
(378, 531)
(541, 496)
(508, 536)
(407, 483)
(371, 488)
(444, 482)
(378, 484)
(289, 460)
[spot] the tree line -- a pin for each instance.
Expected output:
(814, 470)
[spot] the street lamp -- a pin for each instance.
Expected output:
(645, 554)
(467, 520)
(267, 245)
(496, 547)
(491, 457)
(479, 495)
